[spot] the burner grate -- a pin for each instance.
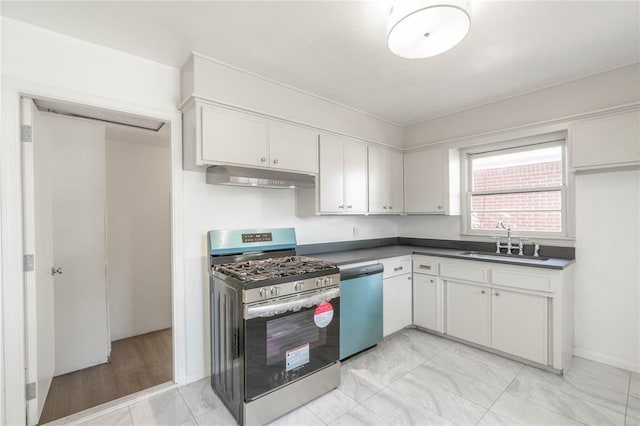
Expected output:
(276, 267)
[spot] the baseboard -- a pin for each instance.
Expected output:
(605, 359)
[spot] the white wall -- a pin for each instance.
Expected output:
(139, 238)
(210, 207)
(607, 273)
(33, 54)
(612, 88)
(41, 62)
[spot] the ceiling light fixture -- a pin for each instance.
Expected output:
(424, 28)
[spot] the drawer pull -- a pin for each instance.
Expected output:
(397, 268)
(428, 267)
(483, 292)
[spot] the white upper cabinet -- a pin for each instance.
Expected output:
(331, 175)
(609, 141)
(385, 180)
(215, 135)
(432, 181)
(233, 137)
(343, 175)
(293, 147)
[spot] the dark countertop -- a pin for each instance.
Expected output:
(367, 254)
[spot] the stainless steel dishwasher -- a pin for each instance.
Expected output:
(361, 308)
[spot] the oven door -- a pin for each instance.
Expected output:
(289, 338)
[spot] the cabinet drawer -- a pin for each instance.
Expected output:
(465, 272)
(393, 269)
(524, 280)
(425, 266)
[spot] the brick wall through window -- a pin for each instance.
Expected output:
(524, 211)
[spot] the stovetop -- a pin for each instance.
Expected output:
(276, 268)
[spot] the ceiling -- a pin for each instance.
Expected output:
(337, 49)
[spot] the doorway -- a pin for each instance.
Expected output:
(99, 316)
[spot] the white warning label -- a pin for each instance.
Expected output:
(297, 357)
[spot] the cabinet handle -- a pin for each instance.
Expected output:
(349, 206)
(439, 207)
(483, 292)
(275, 161)
(341, 207)
(428, 267)
(409, 277)
(390, 207)
(263, 159)
(497, 294)
(384, 207)
(397, 268)
(431, 281)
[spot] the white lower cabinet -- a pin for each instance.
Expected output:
(519, 324)
(523, 311)
(469, 312)
(396, 305)
(427, 305)
(396, 294)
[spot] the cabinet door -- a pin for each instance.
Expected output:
(607, 141)
(293, 148)
(468, 312)
(424, 181)
(395, 176)
(355, 177)
(331, 175)
(396, 303)
(519, 324)
(427, 302)
(378, 180)
(233, 137)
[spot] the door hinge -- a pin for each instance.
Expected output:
(26, 133)
(28, 263)
(30, 391)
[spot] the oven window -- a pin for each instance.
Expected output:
(288, 346)
(291, 331)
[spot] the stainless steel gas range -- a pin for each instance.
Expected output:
(275, 323)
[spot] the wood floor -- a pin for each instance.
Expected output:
(137, 363)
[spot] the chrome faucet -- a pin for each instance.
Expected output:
(501, 225)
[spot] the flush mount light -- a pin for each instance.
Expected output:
(423, 28)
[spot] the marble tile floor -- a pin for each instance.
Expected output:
(415, 378)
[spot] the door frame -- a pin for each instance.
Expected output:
(12, 294)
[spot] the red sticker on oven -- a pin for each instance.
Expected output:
(323, 314)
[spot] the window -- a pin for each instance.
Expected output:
(523, 187)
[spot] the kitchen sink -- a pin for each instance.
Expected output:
(502, 256)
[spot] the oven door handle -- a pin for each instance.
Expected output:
(292, 304)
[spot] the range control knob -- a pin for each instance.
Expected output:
(262, 293)
(299, 286)
(318, 282)
(275, 290)
(326, 281)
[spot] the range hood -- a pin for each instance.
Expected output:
(246, 176)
